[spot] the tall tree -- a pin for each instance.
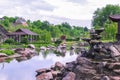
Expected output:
(101, 15)
(66, 25)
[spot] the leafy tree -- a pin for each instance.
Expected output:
(45, 25)
(85, 29)
(101, 15)
(110, 31)
(37, 24)
(66, 25)
(55, 32)
(46, 36)
(6, 23)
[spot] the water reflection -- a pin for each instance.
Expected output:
(25, 70)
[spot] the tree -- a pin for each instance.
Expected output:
(110, 31)
(6, 23)
(45, 25)
(85, 29)
(46, 36)
(101, 15)
(66, 25)
(55, 32)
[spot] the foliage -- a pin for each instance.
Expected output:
(9, 41)
(57, 42)
(101, 15)
(7, 51)
(110, 31)
(45, 30)
(24, 40)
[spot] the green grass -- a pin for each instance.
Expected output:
(7, 51)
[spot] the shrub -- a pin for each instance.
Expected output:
(8, 52)
(58, 42)
(9, 41)
(24, 40)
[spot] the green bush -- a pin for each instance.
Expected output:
(58, 42)
(24, 40)
(8, 52)
(9, 41)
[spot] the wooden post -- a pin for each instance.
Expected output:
(118, 33)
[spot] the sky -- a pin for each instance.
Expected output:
(75, 12)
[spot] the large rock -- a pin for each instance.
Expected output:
(26, 51)
(105, 78)
(69, 76)
(113, 65)
(3, 55)
(18, 50)
(44, 70)
(83, 60)
(115, 77)
(55, 73)
(31, 46)
(70, 66)
(83, 73)
(58, 66)
(45, 76)
(114, 51)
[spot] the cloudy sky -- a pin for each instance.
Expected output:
(75, 12)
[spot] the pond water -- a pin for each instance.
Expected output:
(25, 70)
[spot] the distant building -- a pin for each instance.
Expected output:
(19, 34)
(20, 21)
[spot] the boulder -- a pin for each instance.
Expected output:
(105, 78)
(43, 70)
(69, 76)
(115, 77)
(45, 76)
(117, 71)
(55, 73)
(18, 50)
(83, 60)
(31, 46)
(3, 55)
(58, 66)
(115, 65)
(69, 66)
(84, 73)
(26, 51)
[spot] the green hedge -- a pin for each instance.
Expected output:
(6, 51)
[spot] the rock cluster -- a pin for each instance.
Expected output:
(81, 69)
(20, 53)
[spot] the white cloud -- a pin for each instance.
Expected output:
(67, 10)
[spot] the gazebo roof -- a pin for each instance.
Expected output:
(115, 18)
(22, 31)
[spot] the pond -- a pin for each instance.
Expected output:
(25, 70)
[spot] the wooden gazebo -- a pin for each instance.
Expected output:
(21, 33)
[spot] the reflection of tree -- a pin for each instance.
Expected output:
(45, 53)
(3, 66)
(58, 53)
